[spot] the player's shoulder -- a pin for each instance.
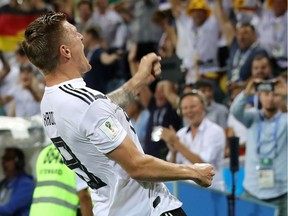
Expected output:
(68, 100)
(81, 94)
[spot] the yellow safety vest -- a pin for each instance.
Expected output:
(55, 193)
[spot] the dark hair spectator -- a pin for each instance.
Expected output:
(16, 189)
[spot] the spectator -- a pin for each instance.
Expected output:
(246, 11)
(85, 20)
(59, 190)
(242, 51)
(261, 69)
(27, 94)
(215, 112)
(102, 72)
(201, 35)
(178, 8)
(168, 42)
(161, 110)
(139, 117)
(4, 71)
(144, 31)
(113, 33)
(266, 148)
(10, 82)
(273, 32)
(123, 8)
(170, 92)
(22, 59)
(111, 24)
(5, 67)
(161, 114)
(20, 56)
(173, 98)
(201, 141)
(16, 189)
(186, 88)
(66, 7)
(243, 45)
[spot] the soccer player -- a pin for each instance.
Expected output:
(92, 132)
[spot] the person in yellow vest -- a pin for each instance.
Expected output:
(59, 190)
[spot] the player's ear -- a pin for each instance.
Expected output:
(65, 51)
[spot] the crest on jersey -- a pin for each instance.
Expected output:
(110, 129)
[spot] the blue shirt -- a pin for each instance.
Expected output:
(243, 62)
(271, 136)
(16, 195)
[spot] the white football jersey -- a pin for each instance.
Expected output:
(85, 125)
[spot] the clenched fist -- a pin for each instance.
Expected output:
(204, 174)
(149, 68)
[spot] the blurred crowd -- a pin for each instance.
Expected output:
(224, 75)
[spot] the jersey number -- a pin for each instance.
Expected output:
(74, 164)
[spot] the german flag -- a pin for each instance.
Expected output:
(13, 23)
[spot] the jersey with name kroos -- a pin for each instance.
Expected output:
(85, 125)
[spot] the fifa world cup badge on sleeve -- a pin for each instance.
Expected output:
(110, 129)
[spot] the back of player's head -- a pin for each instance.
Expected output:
(43, 37)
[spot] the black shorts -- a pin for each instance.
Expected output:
(175, 212)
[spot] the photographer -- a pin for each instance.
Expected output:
(262, 69)
(266, 148)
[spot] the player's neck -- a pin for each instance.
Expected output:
(57, 77)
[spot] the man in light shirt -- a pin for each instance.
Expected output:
(202, 141)
(273, 32)
(266, 147)
(199, 34)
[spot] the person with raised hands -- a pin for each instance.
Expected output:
(266, 146)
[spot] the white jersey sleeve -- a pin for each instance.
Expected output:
(104, 129)
(80, 184)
